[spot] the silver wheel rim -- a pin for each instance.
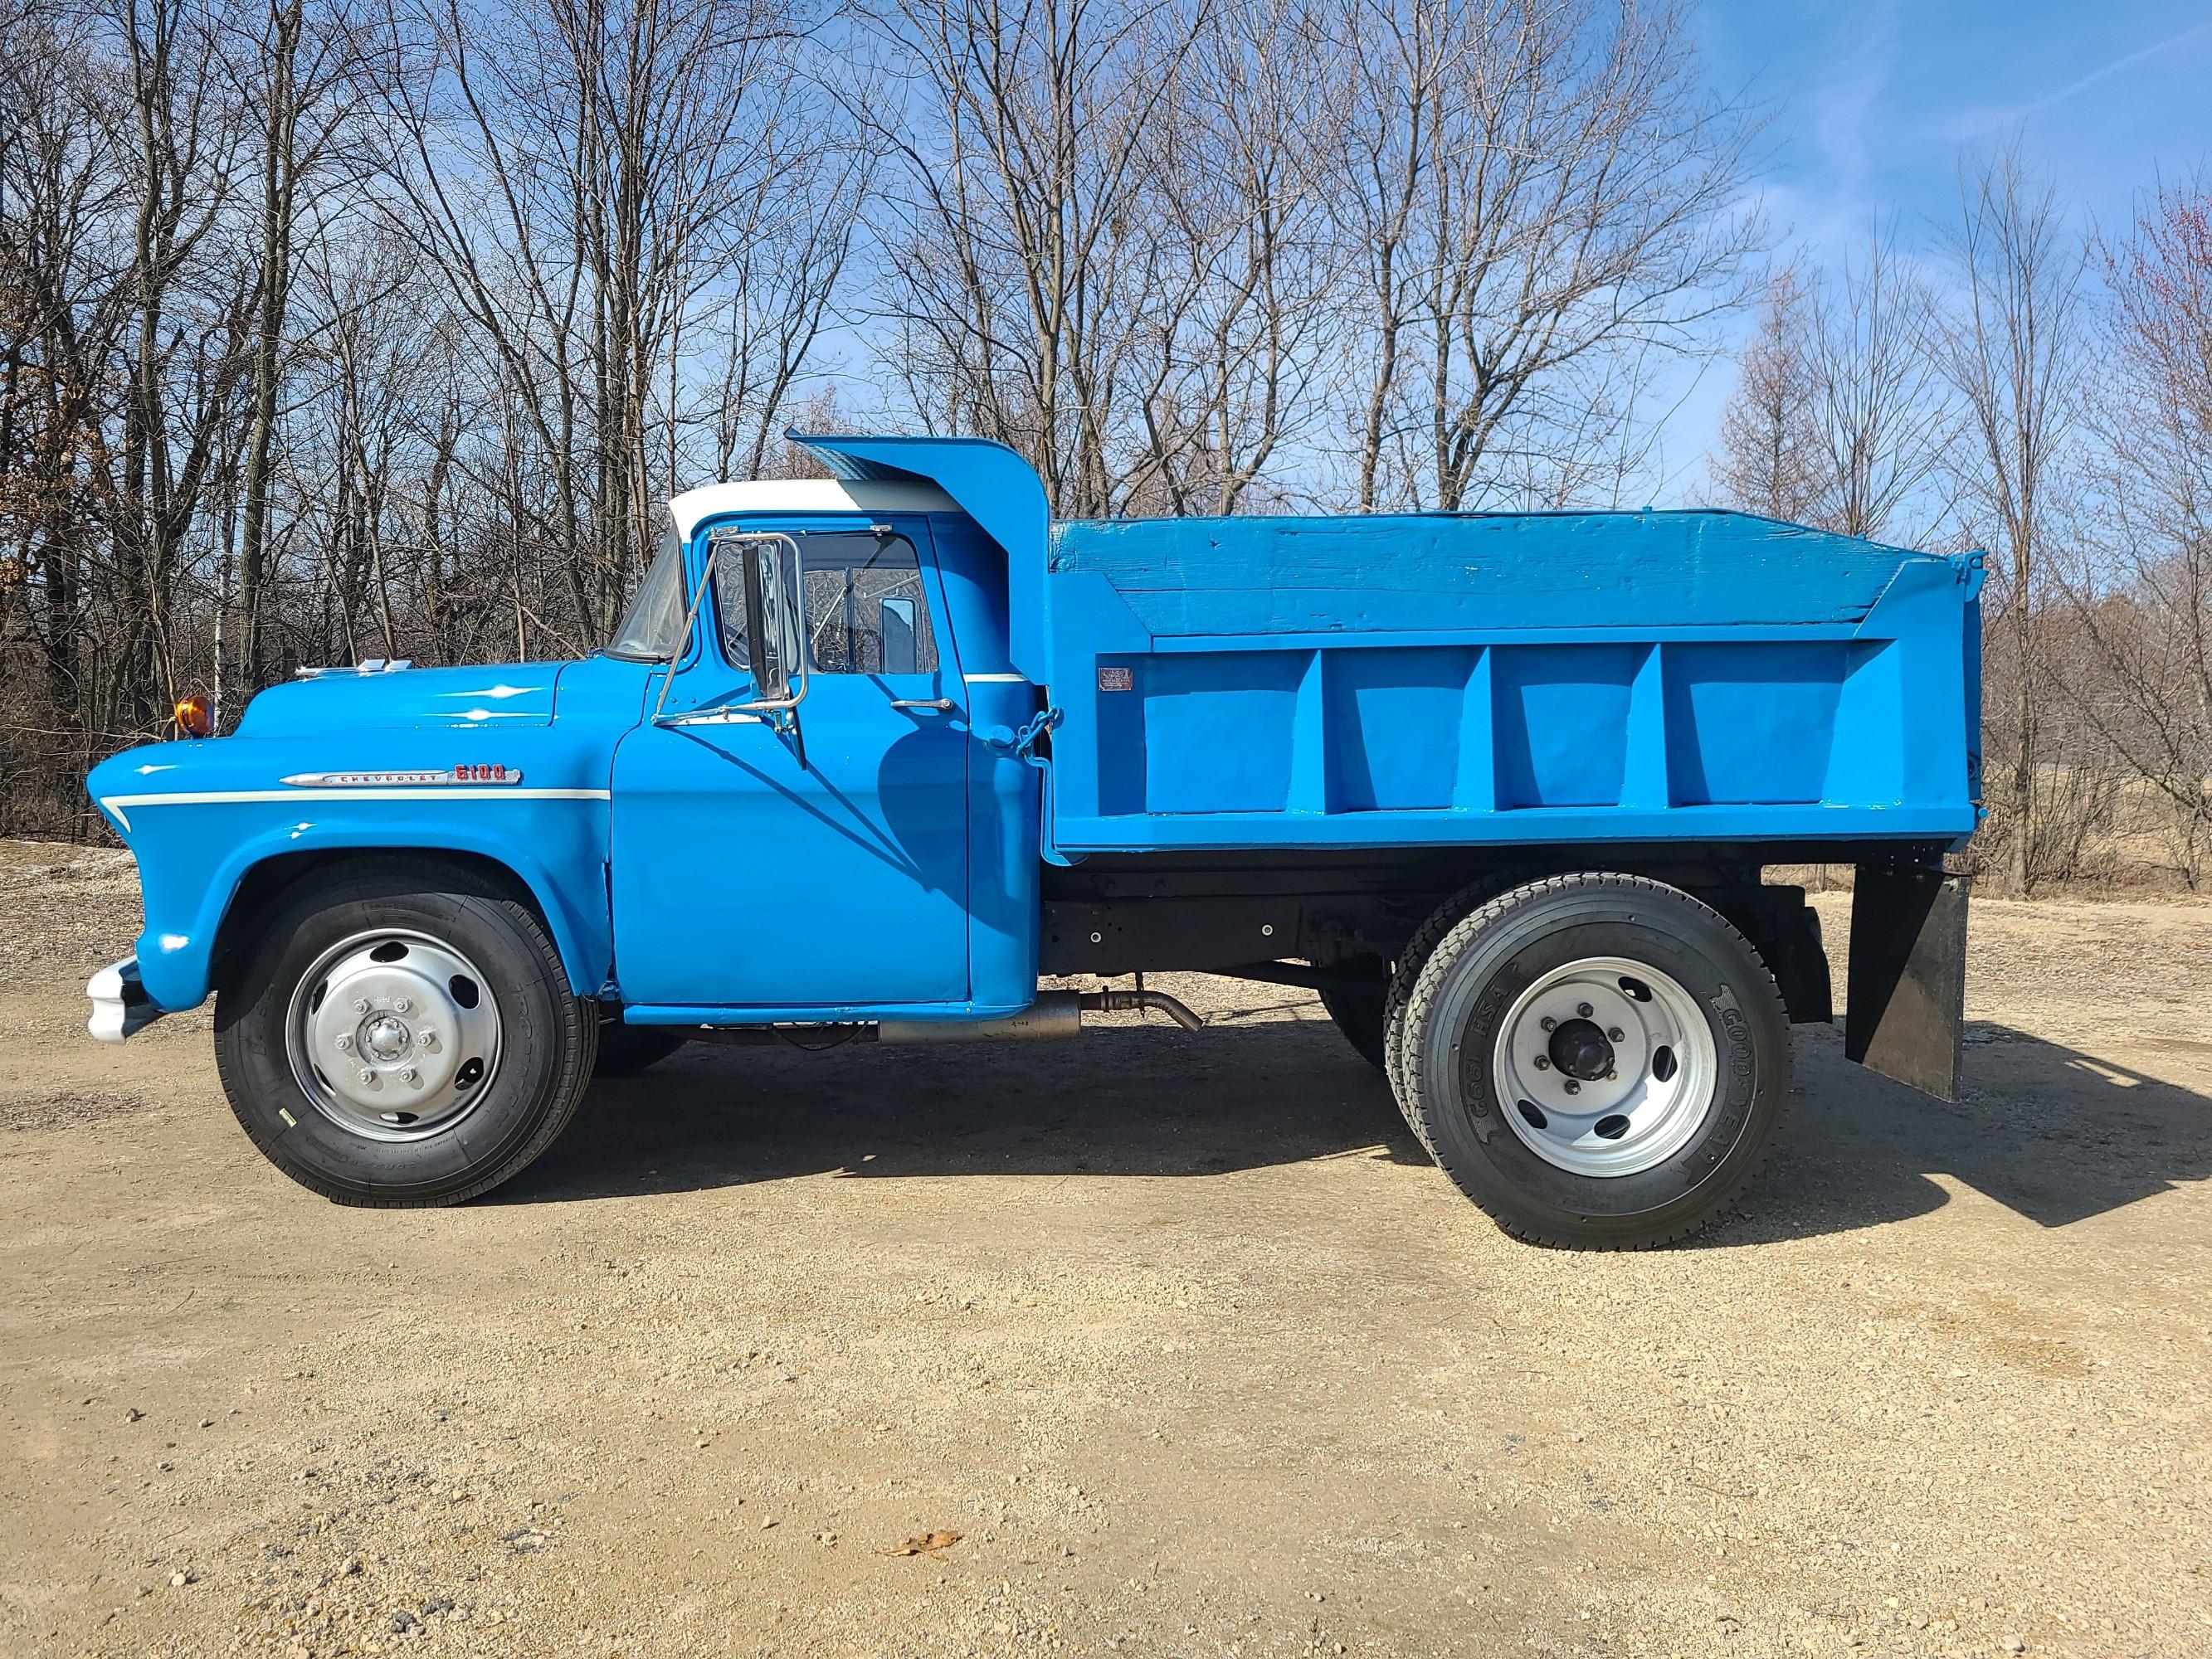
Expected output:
(393, 1035)
(1619, 1104)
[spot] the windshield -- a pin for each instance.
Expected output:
(652, 628)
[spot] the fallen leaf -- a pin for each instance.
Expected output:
(931, 1544)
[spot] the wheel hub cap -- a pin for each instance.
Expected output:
(1606, 1067)
(1579, 1049)
(393, 1035)
(385, 1038)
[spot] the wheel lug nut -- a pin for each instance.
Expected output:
(1610, 1076)
(345, 1042)
(360, 1005)
(1543, 1063)
(400, 1005)
(1583, 1009)
(1614, 1032)
(427, 1037)
(407, 1074)
(367, 1076)
(1574, 1088)
(1548, 1023)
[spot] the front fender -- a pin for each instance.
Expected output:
(199, 818)
(552, 854)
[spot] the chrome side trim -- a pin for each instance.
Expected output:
(215, 796)
(498, 773)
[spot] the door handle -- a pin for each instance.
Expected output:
(942, 705)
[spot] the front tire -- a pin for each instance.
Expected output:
(1599, 1061)
(401, 1034)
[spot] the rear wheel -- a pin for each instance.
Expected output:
(1599, 1061)
(401, 1034)
(1406, 973)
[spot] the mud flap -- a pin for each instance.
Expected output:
(1904, 1002)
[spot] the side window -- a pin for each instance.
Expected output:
(866, 613)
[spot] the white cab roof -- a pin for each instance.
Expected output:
(693, 507)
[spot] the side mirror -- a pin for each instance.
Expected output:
(775, 630)
(768, 633)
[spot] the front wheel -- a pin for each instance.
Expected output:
(1600, 1061)
(400, 1034)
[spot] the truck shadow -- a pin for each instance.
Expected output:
(2053, 1134)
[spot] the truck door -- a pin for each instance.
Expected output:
(750, 870)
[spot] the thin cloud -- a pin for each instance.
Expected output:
(1973, 124)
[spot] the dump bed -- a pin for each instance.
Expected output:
(1388, 680)
(1431, 679)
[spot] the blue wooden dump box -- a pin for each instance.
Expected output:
(1437, 679)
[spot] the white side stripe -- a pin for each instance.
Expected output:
(995, 680)
(226, 796)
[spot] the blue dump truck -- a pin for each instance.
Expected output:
(870, 755)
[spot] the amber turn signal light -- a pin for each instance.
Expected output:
(193, 718)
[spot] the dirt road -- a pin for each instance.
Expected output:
(1180, 1334)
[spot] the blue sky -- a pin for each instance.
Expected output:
(1873, 105)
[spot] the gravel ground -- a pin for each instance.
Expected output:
(1180, 1334)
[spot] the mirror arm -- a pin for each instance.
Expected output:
(683, 642)
(796, 687)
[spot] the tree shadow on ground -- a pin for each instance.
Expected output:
(2052, 1133)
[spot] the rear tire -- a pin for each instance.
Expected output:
(401, 1034)
(1408, 972)
(1599, 1061)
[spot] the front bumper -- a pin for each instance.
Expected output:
(121, 1006)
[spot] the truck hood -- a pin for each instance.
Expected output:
(507, 696)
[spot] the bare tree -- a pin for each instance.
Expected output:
(1024, 272)
(1539, 194)
(2014, 350)
(190, 317)
(784, 285)
(309, 74)
(581, 180)
(2141, 594)
(1882, 419)
(409, 312)
(66, 307)
(1247, 307)
(1766, 461)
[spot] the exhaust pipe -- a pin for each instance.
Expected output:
(1053, 1014)
(1123, 1002)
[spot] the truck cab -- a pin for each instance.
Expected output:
(870, 755)
(859, 766)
